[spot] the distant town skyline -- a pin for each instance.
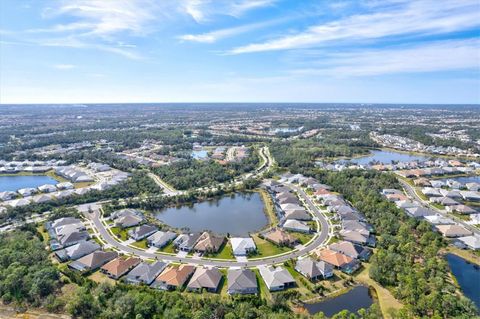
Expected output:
(140, 51)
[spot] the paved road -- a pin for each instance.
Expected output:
(412, 194)
(317, 242)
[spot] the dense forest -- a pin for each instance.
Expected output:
(296, 154)
(407, 260)
(192, 173)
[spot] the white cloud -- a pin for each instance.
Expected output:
(202, 10)
(404, 18)
(214, 36)
(64, 66)
(105, 17)
(433, 57)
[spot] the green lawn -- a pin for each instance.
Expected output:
(262, 288)
(170, 248)
(461, 216)
(225, 252)
(120, 232)
(302, 237)
(266, 248)
(141, 244)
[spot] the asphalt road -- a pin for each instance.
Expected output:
(317, 242)
(412, 194)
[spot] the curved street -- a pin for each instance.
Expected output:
(318, 241)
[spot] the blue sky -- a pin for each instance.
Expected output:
(377, 51)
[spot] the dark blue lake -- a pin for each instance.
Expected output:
(467, 275)
(464, 179)
(238, 215)
(13, 183)
(354, 300)
(386, 157)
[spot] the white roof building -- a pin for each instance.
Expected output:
(242, 246)
(296, 225)
(276, 278)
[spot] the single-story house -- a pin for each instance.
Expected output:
(205, 278)
(241, 281)
(406, 204)
(475, 187)
(242, 246)
(445, 201)
(431, 192)
(471, 242)
(65, 185)
(47, 188)
(461, 209)
(119, 266)
(7, 195)
(280, 237)
(439, 220)
(173, 277)
(186, 242)
(276, 278)
(93, 261)
(25, 192)
(209, 243)
(470, 196)
(450, 194)
(453, 231)
(343, 262)
(299, 214)
(314, 270)
(145, 273)
(395, 197)
(77, 251)
(296, 225)
(418, 212)
(141, 232)
(160, 239)
(351, 250)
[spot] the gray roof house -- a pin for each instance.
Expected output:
(47, 188)
(128, 221)
(141, 232)
(160, 239)
(145, 273)
(462, 209)
(299, 214)
(276, 278)
(77, 251)
(471, 242)
(73, 238)
(438, 219)
(127, 217)
(186, 242)
(355, 237)
(296, 225)
(93, 261)
(241, 281)
(314, 270)
(206, 278)
(418, 212)
(29, 191)
(8, 195)
(470, 196)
